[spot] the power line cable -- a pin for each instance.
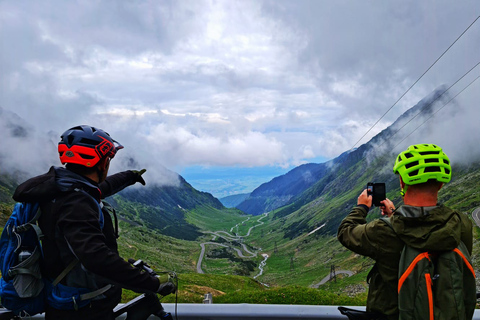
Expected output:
(428, 105)
(414, 83)
(424, 108)
(433, 114)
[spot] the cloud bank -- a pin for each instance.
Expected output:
(232, 83)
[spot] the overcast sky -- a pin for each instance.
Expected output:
(232, 92)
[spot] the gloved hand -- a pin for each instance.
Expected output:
(166, 288)
(138, 177)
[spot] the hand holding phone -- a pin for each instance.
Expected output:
(377, 191)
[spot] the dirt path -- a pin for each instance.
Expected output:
(329, 277)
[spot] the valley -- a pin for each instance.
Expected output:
(289, 251)
(283, 242)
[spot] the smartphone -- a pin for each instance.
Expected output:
(377, 191)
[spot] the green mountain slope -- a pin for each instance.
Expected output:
(163, 208)
(166, 226)
(300, 237)
(307, 182)
(280, 190)
(299, 254)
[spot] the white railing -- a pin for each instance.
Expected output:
(192, 311)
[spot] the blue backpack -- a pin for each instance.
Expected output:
(23, 289)
(22, 285)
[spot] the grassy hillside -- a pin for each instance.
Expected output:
(159, 251)
(299, 240)
(164, 208)
(175, 251)
(235, 289)
(211, 219)
(297, 257)
(308, 182)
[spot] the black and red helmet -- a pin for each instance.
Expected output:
(86, 146)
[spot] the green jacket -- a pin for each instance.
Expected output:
(424, 228)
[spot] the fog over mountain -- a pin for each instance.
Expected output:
(426, 122)
(440, 118)
(230, 84)
(30, 151)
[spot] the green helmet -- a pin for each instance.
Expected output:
(422, 162)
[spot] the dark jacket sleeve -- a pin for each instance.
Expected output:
(352, 232)
(79, 224)
(368, 239)
(117, 182)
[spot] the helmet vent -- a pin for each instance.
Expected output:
(432, 169)
(413, 173)
(446, 161)
(89, 142)
(426, 153)
(70, 139)
(86, 156)
(431, 160)
(408, 155)
(411, 164)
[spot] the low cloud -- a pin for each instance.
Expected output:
(450, 122)
(221, 83)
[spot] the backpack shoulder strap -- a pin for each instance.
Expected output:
(462, 251)
(64, 273)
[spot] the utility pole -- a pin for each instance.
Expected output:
(333, 275)
(275, 250)
(292, 267)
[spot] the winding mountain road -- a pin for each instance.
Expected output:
(200, 259)
(229, 237)
(476, 216)
(330, 277)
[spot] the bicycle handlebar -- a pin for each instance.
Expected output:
(146, 304)
(142, 265)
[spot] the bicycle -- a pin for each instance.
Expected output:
(139, 308)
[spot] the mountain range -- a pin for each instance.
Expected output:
(307, 182)
(304, 206)
(164, 207)
(159, 207)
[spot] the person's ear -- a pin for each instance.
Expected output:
(402, 184)
(104, 163)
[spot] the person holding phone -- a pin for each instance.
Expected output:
(420, 223)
